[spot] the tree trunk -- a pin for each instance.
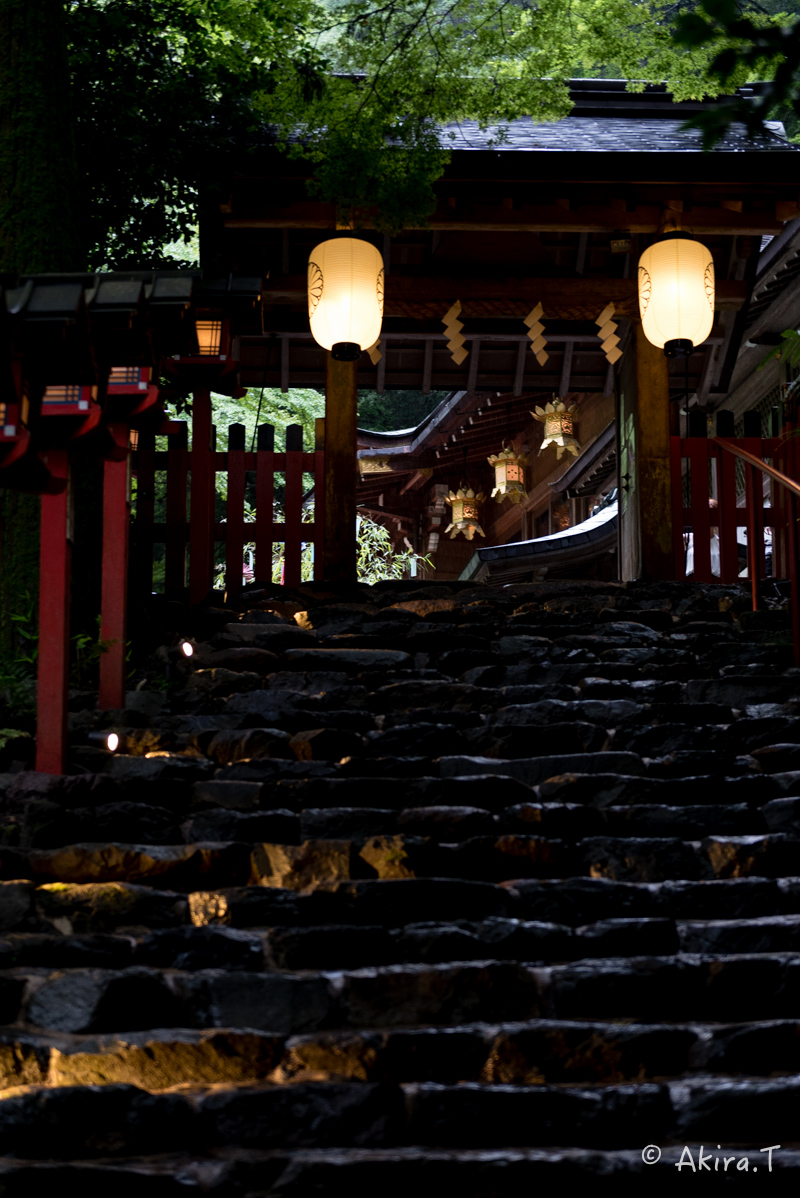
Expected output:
(39, 229)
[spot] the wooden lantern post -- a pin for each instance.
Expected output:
(341, 471)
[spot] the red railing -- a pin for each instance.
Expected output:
(711, 464)
(190, 517)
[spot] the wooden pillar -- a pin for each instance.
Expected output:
(201, 546)
(341, 471)
(54, 582)
(653, 460)
(114, 587)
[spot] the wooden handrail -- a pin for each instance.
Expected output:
(783, 479)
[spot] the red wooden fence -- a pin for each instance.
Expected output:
(712, 475)
(191, 500)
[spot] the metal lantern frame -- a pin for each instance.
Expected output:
(559, 422)
(509, 474)
(465, 505)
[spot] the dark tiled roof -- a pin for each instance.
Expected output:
(622, 132)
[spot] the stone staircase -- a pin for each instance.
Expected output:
(464, 889)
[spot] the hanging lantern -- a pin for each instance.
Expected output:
(464, 515)
(559, 426)
(509, 474)
(345, 296)
(676, 294)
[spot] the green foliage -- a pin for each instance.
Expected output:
(9, 734)
(86, 653)
(376, 560)
(395, 409)
(171, 95)
(746, 42)
(162, 93)
(788, 352)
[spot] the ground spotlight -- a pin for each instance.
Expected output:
(104, 740)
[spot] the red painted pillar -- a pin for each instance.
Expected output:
(55, 550)
(114, 592)
(201, 556)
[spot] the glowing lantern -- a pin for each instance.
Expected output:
(464, 515)
(559, 426)
(209, 336)
(509, 474)
(676, 294)
(345, 296)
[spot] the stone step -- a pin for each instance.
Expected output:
(577, 901)
(487, 1173)
(135, 999)
(687, 986)
(493, 858)
(71, 1122)
(360, 1172)
(556, 1052)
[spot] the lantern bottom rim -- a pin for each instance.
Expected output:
(346, 351)
(678, 347)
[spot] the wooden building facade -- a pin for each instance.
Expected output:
(551, 218)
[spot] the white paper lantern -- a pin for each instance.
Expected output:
(345, 296)
(676, 293)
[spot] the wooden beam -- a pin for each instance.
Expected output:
(341, 473)
(468, 217)
(427, 367)
(653, 466)
(566, 369)
(519, 372)
(563, 299)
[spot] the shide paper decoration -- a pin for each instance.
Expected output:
(559, 426)
(345, 296)
(607, 332)
(453, 327)
(464, 515)
(509, 474)
(676, 293)
(536, 333)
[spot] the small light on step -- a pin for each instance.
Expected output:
(187, 648)
(112, 742)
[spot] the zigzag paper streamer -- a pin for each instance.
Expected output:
(608, 334)
(374, 352)
(535, 332)
(453, 327)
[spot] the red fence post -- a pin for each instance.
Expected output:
(265, 501)
(755, 533)
(201, 532)
(792, 554)
(676, 468)
(175, 534)
(697, 452)
(145, 460)
(55, 552)
(293, 505)
(319, 499)
(728, 516)
(114, 588)
(234, 511)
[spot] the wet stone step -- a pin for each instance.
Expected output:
(552, 1051)
(85, 1001)
(577, 901)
